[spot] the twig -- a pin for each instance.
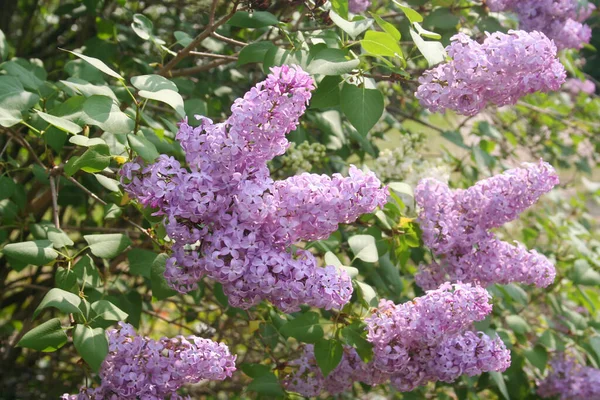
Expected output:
(224, 57)
(199, 68)
(407, 116)
(212, 26)
(99, 200)
(228, 40)
(54, 202)
(5, 146)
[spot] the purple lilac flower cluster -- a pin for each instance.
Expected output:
(230, 221)
(138, 367)
(504, 68)
(569, 380)
(576, 86)
(358, 6)
(456, 227)
(422, 341)
(560, 20)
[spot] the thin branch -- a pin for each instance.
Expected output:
(394, 110)
(54, 192)
(165, 71)
(199, 68)
(228, 40)
(221, 56)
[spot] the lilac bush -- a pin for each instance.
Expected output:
(501, 70)
(230, 221)
(138, 367)
(358, 6)
(569, 380)
(560, 20)
(456, 226)
(425, 340)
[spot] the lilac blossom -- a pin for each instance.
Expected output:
(501, 70)
(560, 20)
(576, 86)
(425, 340)
(456, 227)
(569, 380)
(231, 222)
(139, 367)
(358, 6)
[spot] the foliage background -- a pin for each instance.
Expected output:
(58, 181)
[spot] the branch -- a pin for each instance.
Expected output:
(212, 26)
(199, 68)
(221, 56)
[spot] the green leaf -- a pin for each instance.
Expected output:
(66, 302)
(256, 19)
(328, 353)
(266, 384)
(91, 344)
(433, 52)
(332, 62)
(517, 324)
(426, 33)
(153, 83)
(87, 89)
(3, 47)
(363, 107)
(305, 328)
(95, 159)
(584, 274)
(538, 357)
(7, 186)
(367, 293)
(352, 28)
(61, 123)
(254, 52)
(143, 147)
(35, 252)
(143, 27)
(112, 211)
(499, 381)
(104, 113)
(355, 336)
(47, 337)
(381, 44)
(140, 262)
(108, 245)
(107, 311)
(24, 75)
(411, 14)
(387, 27)
(364, 248)
(108, 183)
(405, 192)
(183, 38)
(456, 138)
(65, 279)
(14, 100)
(255, 370)
(86, 271)
(48, 231)
(160, 288)
(327, 93)
(167, 96)
(97, 64)
(340, 7)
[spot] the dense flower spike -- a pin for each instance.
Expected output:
(138, 367)
(230, 221)
(504, 68)
(422, 341)
(358, 6)
(456, 226)
(569, 380)
(560, 20)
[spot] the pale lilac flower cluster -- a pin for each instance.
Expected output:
(569, 380)
(138, 367)
(358, 6)
(504, 68)
(560, 20)
(456, 227)
(576, 86)
(425, 340)
(230, 221)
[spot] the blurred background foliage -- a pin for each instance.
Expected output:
(69, 120)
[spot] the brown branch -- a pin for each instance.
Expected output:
(228, 40)
(199, 68)
(212, 26)
(220, 56)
